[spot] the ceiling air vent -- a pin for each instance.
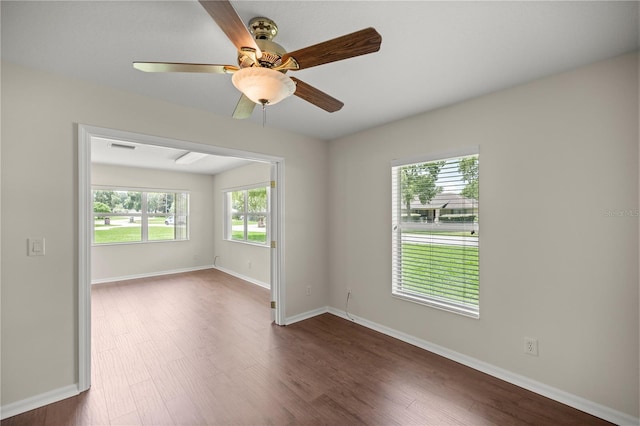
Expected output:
(121, 145)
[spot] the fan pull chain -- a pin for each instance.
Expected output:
(264, 115)
(264, 103)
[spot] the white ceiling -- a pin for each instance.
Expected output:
(112, 152)
(433, 54)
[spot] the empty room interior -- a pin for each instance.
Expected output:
(356, 212)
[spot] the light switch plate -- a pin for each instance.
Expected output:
(35, 246)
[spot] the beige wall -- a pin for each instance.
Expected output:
(234, 256)
(125, 260)
(558, 157)
(40, 113)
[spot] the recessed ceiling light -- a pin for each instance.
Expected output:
(190, 157)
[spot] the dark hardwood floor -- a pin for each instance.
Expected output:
(199, 348)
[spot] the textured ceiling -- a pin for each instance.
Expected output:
(433, 54)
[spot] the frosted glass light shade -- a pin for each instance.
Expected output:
(263, 85)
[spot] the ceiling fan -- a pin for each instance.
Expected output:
(262, 63)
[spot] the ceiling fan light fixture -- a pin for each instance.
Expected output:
(263, 85)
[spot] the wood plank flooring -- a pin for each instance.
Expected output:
(199, 348)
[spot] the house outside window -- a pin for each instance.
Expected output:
(435, 231)
(122, 215)
(247, 215)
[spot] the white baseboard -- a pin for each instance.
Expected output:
(178, 271)
(150, 274)
(561, 396)
(306, 315)
(243, 277)
(37, 401)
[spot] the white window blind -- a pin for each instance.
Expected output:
(435, 232)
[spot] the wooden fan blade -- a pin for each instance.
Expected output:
(230, 23)
(244, 108)
(355, 44)
(316, 97)
(183, 67)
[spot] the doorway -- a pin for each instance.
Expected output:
(86, 134)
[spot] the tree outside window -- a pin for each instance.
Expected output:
(248, 215)
(435, 232)
(128, 216)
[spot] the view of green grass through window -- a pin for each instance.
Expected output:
(248, 215)
(128, 216)
(435, 249)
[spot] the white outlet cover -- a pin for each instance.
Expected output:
(531, 346)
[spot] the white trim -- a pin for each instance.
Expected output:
(306, 315)
(107, 133)
(437, 156)
(85, 238)
(135, 189)
(37, 401)
(150, 274)
(243, 277)
(447, 305)
(561, 396)
(278, 292)
(247, 187)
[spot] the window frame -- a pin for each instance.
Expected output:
(144, 215)
(398, 225)
(228, 214)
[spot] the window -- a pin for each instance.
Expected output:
(435, 231)
(130, 216)
(247, 215)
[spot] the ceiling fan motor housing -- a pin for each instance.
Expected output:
(263, 28)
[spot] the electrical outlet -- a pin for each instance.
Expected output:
(531, 346)
(348, 290)
(249, 264)
(308, 290)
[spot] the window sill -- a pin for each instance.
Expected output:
(124, 243)
(249, 243)
(445, 306)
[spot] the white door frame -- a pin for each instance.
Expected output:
(85, 215)
(277, 236)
